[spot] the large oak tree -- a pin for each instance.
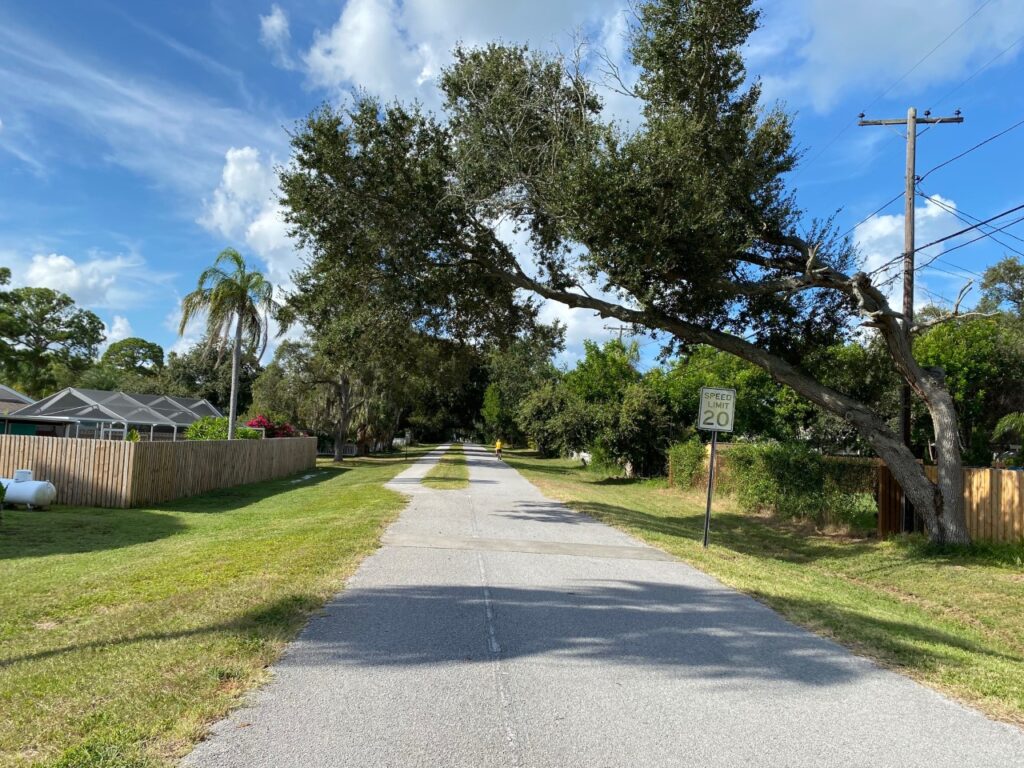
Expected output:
(685, 221)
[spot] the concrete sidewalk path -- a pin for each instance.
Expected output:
(498, 628)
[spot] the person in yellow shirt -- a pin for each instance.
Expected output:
(497, 448)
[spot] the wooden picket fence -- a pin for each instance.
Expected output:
(993, 502)
(117, 473)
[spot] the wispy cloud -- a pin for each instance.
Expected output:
(173, 137)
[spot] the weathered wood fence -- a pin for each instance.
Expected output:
(993, 501)
(116, 473)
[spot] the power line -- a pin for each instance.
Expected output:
(973, 227)
(957, 247)
(932, 267)
(875, 212)
(977, 72)
(901, 78)
(936, 295)
(966, 219)
(968, 151)
(928, 55)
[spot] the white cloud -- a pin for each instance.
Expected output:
(118, 330)
(275, 35)
(244, 209)
(98, 281)
(88, 283)
(397, 49)
(366, 47)
(867, 45)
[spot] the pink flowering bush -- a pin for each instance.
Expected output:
(272, 429)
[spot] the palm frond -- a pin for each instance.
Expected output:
(1011, 425)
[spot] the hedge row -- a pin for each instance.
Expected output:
(786, 479)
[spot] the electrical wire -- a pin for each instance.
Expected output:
(973, 227)
(872, 214)
(957, 247)
(966, 219)
(977, 72)
(946, 271)
(928, 55)
(903, 77)
(971, 149)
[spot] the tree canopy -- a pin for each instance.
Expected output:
(683, 223)
(44, 337)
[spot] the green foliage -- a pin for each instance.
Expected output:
(498, 416)
(1002, 285)
(637, 435)
(792, 480)
(686, 461)
(983, 360)
(134, 355)
(216, 428)
(133, 435)
(556, 420)
(605, 371)
(515, 371)
(44, 337)
(237, 303)
(198, 373)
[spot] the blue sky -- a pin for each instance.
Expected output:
(138, 139)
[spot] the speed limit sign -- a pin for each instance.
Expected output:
(717, 414)
(717, 409)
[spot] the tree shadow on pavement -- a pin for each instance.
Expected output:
(712, 632)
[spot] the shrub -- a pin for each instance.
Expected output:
(637, 433)
(791, 480)
(216, 428)
(272, 428)
(686, 462)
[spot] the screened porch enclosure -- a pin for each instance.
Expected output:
(97, 414)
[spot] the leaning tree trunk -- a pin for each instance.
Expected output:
(236, 357)
(940, 503)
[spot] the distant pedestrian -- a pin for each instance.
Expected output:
(497, 448)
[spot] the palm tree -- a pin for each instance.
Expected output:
(238, 303)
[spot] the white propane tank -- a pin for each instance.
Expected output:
(24, 490)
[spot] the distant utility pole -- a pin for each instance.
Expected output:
(911, 122)
(620, 328)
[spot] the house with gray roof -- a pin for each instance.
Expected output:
(95, 413)
(12, 400)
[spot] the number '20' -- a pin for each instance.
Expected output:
(710, 418)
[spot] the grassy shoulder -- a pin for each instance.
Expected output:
(450, 473)
(953, 620)
(124, 633)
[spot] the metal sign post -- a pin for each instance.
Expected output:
(717, 414)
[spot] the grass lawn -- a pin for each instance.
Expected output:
(451, 472)
(953, 620)
(124, 633)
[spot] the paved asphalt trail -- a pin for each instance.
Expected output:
(498, 628)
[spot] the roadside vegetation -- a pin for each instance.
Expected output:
(950, 618)
(450, 473)
(124, 633)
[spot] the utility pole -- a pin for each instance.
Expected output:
(620, 328)
(911, 122)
